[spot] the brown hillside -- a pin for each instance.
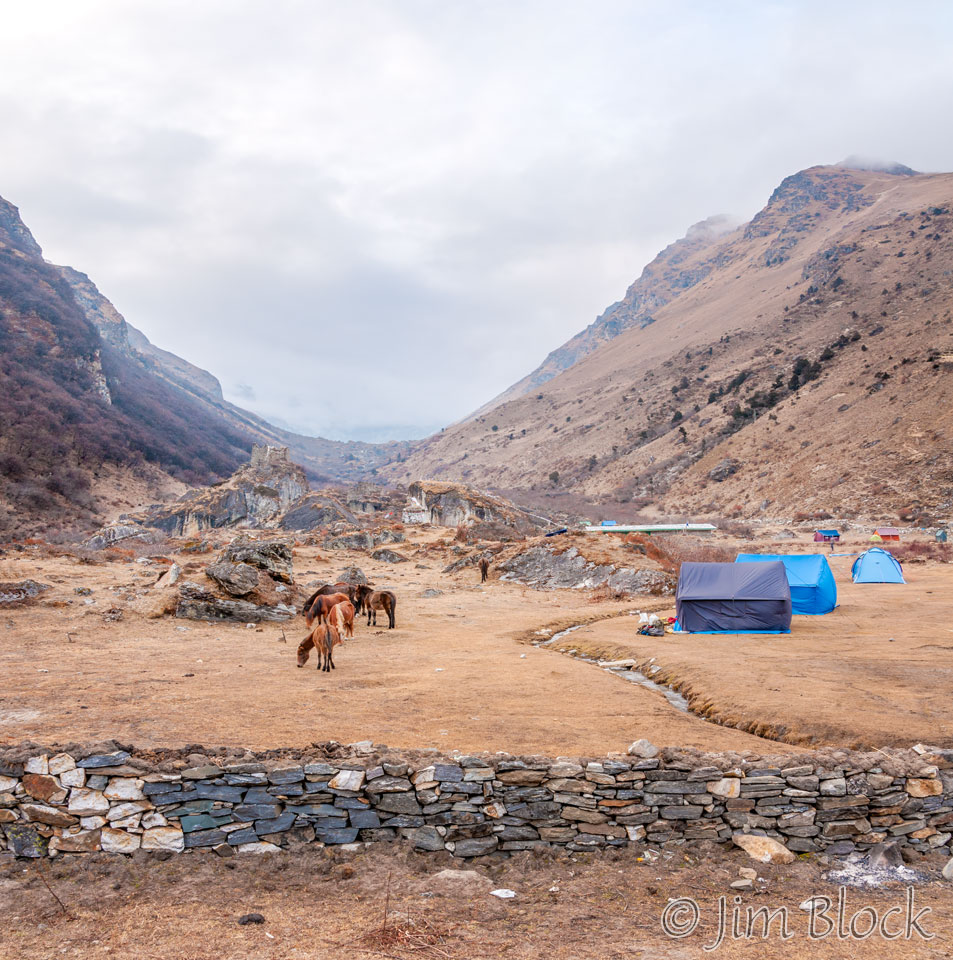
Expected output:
(801, 371)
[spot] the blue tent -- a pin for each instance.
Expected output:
(813, 589)
(733, 598)
(877, 566)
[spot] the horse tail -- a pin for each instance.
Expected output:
(393, 608)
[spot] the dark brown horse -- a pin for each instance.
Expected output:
(484, 569)
(374, 600)
(324, 638)
(342, 586)
(321, 607)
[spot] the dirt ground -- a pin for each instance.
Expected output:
(321, 905)
(451, 675)
(874, 672)
(458, 672)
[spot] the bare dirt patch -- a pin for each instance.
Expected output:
(315, 904)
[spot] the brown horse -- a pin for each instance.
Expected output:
(340, 587)
(374, 600)
(484, 569)
(321, 607)
(342, 617)
(324, 638)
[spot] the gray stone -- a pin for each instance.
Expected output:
(238, 837)
(476, 847)
(398, 803)
(427, 838)
(286, 775)
(26, 841)
(389, 785)
(205, 838)
(257, 811)
(237, 579)
(276, 825)
(210, 791)
(104, 760)
(336, 836)
(364, 818)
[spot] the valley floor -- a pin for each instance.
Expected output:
(459, 671)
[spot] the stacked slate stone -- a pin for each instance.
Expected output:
(471, 806)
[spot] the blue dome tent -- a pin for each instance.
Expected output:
(733, 598)
(813, 590)
(877, 566)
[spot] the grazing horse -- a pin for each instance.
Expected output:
(321, 607)
(340, 587)
(375, 600)
(324, 638)
(484, 568)
(342, 617)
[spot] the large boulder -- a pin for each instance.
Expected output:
(197, 603)
(723, 470)
(449, 504)
(353, 575)
(274, 557)
(388, 556)
(236, 579)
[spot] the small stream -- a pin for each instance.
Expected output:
(625, 673)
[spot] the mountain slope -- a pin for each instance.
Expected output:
(325, 461)
(799, 370)
(85, 398)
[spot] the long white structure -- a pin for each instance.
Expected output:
(653, 528)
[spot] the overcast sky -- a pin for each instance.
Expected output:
(368, 218)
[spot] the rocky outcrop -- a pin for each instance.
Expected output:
(20, 593)
(274, 557)
(363, 540)
(313, 510)
(456, 504)
(120, 532)
(257, 495)
(252, 581)
(546, 569)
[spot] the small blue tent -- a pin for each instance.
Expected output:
(877, 566)
(813, 589)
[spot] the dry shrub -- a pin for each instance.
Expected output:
(919, 552)
(605, 593)
(681, 550)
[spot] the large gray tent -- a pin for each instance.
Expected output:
(733, 598)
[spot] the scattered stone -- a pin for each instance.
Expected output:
(250, 918)
(643, 748)
(948, 870)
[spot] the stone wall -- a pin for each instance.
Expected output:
(70, 802)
